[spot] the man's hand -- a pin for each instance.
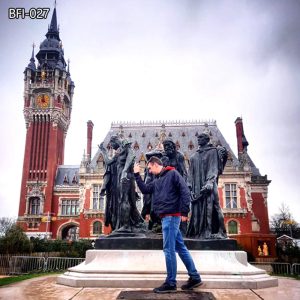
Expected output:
(184, 219)
(136, 168)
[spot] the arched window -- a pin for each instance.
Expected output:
(34, 206)
(97, 227)
(232, 227)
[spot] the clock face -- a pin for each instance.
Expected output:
(43, 101)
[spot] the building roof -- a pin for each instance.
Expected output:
(67, 175)
(284, 237)
(146, 136)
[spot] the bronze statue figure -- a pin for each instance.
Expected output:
(207, 221)
(174, 158)
(121, 212)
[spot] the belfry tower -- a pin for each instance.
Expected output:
(48, 93)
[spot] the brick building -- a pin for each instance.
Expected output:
(60, 201)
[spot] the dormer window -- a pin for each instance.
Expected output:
(75, 180)
(66, 180)
(136, 146)
(191, 145)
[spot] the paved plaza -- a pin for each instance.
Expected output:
(46, 288)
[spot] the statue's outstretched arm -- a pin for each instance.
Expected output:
(108, 161)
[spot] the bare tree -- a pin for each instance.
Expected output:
(283, 222)
(6, 224)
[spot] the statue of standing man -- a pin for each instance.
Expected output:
(119, 185)
(207, 221)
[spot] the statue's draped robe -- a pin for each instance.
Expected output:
(121, 196)
(207, 219)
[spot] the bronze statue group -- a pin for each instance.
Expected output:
(206, 164)
(170, 192)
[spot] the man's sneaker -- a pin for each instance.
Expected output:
(191, 283)
(165, 288)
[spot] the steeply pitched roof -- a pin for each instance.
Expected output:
(67, 175)
(183, 133)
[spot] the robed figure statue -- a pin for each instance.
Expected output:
(121, 212)
(207, 221)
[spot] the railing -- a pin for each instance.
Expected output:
(61, 263)
(296, 269)
(16, 265)
(273, 268)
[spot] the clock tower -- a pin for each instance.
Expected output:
(48, 93)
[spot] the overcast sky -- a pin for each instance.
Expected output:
(193, 59)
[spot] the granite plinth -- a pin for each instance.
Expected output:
(146, 269)
(155, 243)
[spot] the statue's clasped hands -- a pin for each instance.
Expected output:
(124, 178)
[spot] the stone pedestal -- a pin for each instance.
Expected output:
(146, 269)
(155, 243)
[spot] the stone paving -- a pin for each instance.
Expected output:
(46, 288)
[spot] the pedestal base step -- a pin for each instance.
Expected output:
(146, 269)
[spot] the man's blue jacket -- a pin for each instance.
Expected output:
(170, 193)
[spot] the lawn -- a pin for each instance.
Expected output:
(13, 279)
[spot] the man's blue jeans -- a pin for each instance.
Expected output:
(172, 243)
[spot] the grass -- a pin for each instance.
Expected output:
(297, 277)
(14, 279)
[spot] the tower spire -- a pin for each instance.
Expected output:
(31, 65)
(68, 69)
(53, 28)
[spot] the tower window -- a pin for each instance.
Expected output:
(232, 227)
(98, 202)
(230, 195)
(97, 227)
(34, 206)
(69, 207)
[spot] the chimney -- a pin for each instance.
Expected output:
(90, 126)
(241, 139)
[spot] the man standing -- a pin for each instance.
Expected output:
(171, 200)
